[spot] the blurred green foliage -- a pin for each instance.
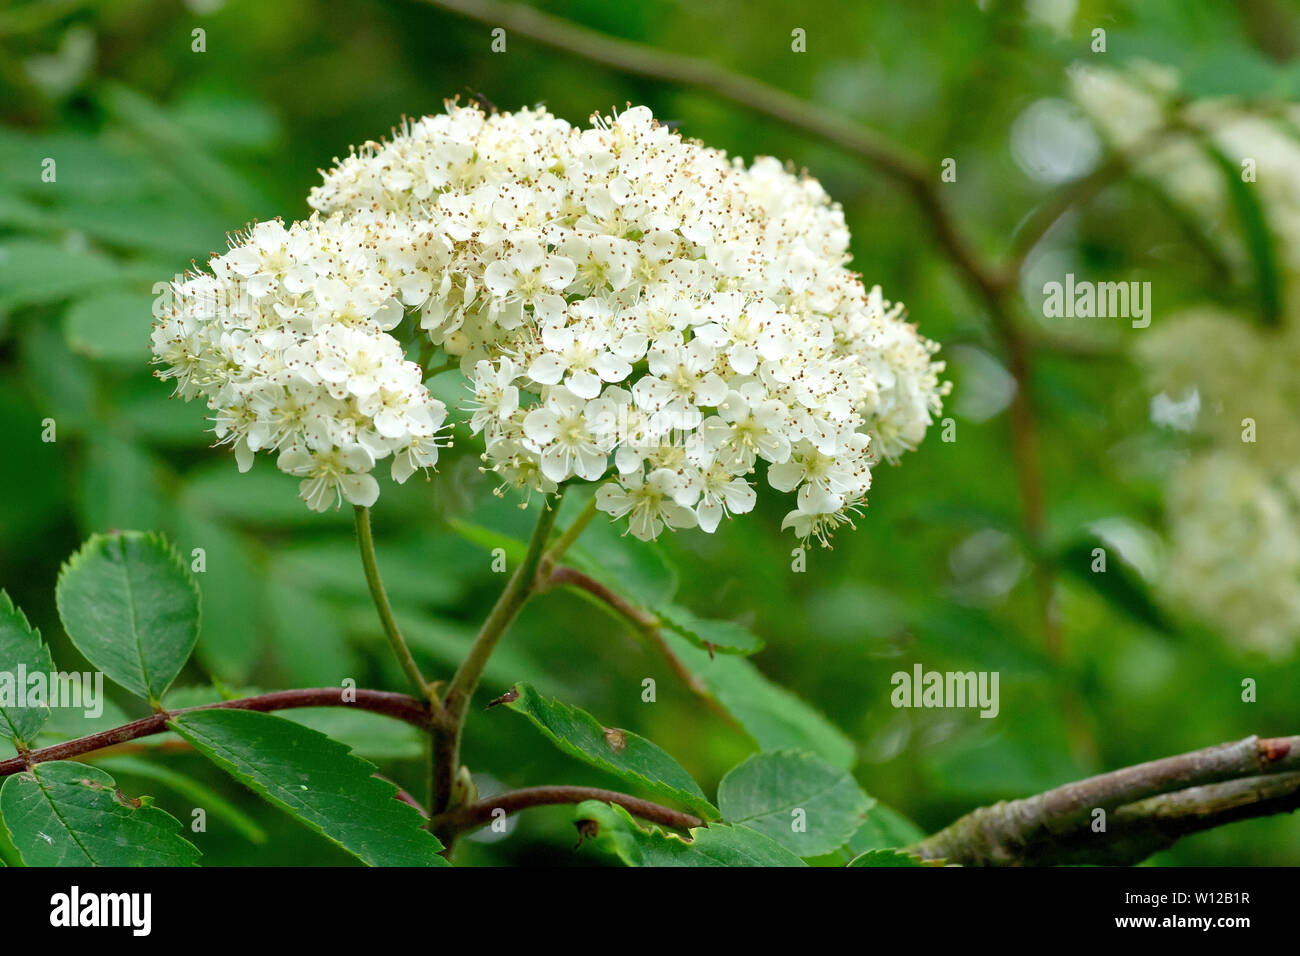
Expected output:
(161, 150)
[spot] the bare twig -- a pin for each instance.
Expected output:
(1149, 806)
(565, 576)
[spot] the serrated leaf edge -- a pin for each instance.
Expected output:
(698, 802)
(262, 791)
(79, 556)
(7, 606)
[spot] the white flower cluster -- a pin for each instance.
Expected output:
(288, 341)
(629, 307)
(1235, 549)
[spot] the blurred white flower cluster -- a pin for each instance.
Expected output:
(1233, 504)
(629, 308)
(1142, 112)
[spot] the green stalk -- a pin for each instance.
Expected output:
(366, 543)
(449, 723)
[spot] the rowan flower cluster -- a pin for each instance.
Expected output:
(288, 341)
(628, 307)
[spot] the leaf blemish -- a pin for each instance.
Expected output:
(587, 830)
(508, 697)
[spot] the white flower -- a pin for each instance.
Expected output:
(532, 276)
(298, 360)
(358, 363)
(724, 494)
(622, 301)
(648, 502)
(842, 476)
(682, 379)
(579, 357)
(332, 476)
(819, 514)
(743, 431)
(572, 436)
(496, 397)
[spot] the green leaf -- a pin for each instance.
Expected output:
(131, 607)
(719, 844)
(197, 793)
(367, 734)
(1120, 585)
(91, 167)
(311, 645)
(490, 539)
(233, 585)
(418, 570)
(150, 416)
(71, 814)
(884, 829)
(773, 717)
(890, 858)
(620, 752)
(797, 799)
(120, 486)
(263, 497)
(177, 150)
(21, 647)
(225, 122)
(317, 780)
(69, 723)
(728, 637)
(37, 272)
(22, 412)
(447, 642)
(111, 326)
(1258, 237)
(626, 566)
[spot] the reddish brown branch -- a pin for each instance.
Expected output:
(471, 816)
(565, 576)
(645, 622)
(398, 706)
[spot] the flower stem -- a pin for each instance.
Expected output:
(444, 367)
(366, 543)
(570, 535)
(449, 723)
